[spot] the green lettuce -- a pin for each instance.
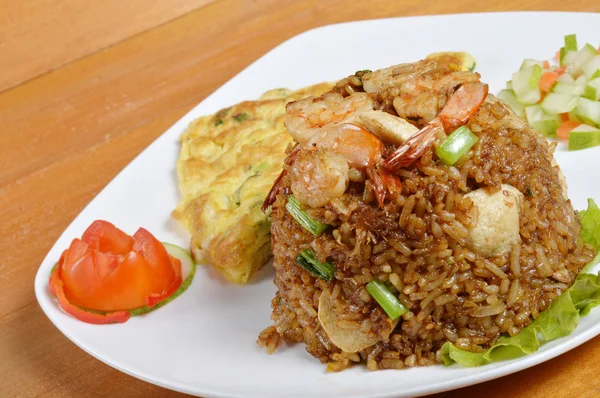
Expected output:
(590, 224)
(558, 320)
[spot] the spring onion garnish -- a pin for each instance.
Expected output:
(386, 299)
(307, 260)
(456, 145)
(314, 227)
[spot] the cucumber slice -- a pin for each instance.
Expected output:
(528, 62)
(571, 42)
(584, 136)
(188, 265)
(555, 103)
(568, 88)
(509, 97)
(566, 78)
(525, 84)
(540, 121)
(509, 85)
(569, 57)
(582, 57)
(591, 66)
(581, 80)
(592, 90)
(588, 111)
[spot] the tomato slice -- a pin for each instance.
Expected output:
(108, 270)
(105, 237)
(97, 319)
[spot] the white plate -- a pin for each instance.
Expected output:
(204, 342)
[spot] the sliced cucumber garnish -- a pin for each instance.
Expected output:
(582, 57)
(528, 62)
(555, 103)
(540, 121)
(584, 136)
(592, 66)
(568, 88)
(566, 78)
(588, 111)
(508, 97)
(592, 90)
(525, 84)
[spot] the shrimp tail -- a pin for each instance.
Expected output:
(385, 184)
(272, 195)
(414, 148)
(463, 104)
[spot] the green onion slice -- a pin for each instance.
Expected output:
(456, 145)
(386, 299)
(307, 260)
(314, 227)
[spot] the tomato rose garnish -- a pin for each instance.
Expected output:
(111, 272)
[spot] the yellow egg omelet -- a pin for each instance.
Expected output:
(227, 165)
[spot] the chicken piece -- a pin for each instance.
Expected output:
(497, 227)
(387, 127)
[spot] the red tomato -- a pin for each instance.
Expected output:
(108, 270)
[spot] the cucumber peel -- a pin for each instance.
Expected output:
(583, 137)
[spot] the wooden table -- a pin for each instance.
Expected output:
(85, 86)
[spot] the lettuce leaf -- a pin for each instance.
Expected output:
(558, 320)
(590, 224)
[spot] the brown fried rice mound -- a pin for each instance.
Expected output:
(417, 243)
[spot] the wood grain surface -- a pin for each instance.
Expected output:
(86, 86)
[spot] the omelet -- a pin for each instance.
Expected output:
(226, 167)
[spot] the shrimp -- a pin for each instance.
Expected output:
(307, 116)
(319, 176)
(340, 147)
(465, 101)
(360, 147)
(320, 169)
(340, 137)
(272, 195)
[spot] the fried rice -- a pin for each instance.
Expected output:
(418, 240)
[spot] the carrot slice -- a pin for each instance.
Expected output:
(547, 81)
(565, 128)
(564, 117)
(546, 65)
